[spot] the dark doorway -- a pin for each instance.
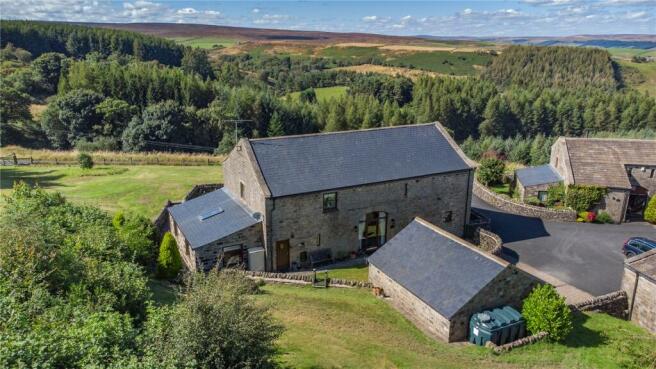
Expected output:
(638, 199)
(372, 231)
(282, 256)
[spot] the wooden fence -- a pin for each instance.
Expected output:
(17, 161)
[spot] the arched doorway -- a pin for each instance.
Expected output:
(372, 231)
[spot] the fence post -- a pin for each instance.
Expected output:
(15, 158)
(31, 160)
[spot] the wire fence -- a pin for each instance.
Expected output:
(13, 160)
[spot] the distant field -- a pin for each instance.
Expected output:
(143, 189)
(628, 53)
(324, 93)
(204, 42)
(391, 71)
(648, 72)
(436, 59)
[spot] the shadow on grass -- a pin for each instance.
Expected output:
(44, 179)
(582, 336)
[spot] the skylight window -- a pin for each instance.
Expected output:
(210, 214)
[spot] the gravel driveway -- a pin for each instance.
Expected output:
(587, 256)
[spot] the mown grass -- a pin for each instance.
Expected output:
(205, 42)
(355, 273)
(143, 189)
(324, 93)
(350, 328)
(456, 63)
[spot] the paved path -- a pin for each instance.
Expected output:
(587, 256)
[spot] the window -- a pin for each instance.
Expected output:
(447, 216)
(329, 201)
(187, 248)
(242, 189)
(652, 173)
(542, 196)
(303, 256)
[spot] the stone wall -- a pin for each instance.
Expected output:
(615, 304)
(510, 287)
(488, 241)
(302, 220)
(186, 252)
(208, 255)
(418, 312)
(532, 191)
(202, 189)
(305, 278)
(614, 203)
(641, 292)
(508, 205)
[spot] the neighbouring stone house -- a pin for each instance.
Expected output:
(626, 167)
(438, 280)
(639, 283)
(318, 197)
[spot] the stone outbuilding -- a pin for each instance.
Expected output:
(314, 198)
(535, 181)
(639, 283)
(438, 280)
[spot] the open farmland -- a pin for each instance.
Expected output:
(143, 189)
(325, 93)
(205, 42)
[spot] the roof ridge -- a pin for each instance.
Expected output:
(461, 241)
(608, 139)
(339, 132)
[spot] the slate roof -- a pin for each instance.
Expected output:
(438, 268)
(543, 174)
(602, 162)
(644, 263)
(310, 163)
(199, 232)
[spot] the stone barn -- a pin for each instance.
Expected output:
(535, 181)
(438, 280)
(639, 282)
(311, 199)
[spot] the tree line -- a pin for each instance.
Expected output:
(77, 41)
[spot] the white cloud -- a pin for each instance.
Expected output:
(635, 15)
(467, 11)
(187, 11)
(370, 18)
(255, 10)
(272, 19)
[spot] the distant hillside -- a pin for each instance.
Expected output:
(247, 34)
(637, 41)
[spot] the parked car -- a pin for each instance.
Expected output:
(637, 245)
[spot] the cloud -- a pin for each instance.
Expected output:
(370, 18)
(467, 11)
(255, 10)
(187, 11)
(272, 19)
(550, 2)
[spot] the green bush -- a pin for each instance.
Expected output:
(604, 217)
(556, 195)
(532, 200)
(546, 311)
(168, 262)
(118, 220)
(582, 198)
(85, 160)
(650, 212)
(490, 171)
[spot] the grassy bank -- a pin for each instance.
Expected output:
(350, 328)
(324, 93)
(143, 189)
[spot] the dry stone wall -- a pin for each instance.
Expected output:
(513, 207)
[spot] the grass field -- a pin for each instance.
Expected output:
(628, 53)
(325, 93)
(205, 42)
(439, 61)
(350, 328)
(357, 273)
(648, 72)
(143, 189)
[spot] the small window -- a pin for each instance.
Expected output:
(330, 201)
(542, 196)
(187, 251)
(652, 173)
(448, 216)
(303, 256)
(242, 189)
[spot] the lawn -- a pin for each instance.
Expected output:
(356, 273)
(350, 328)
(205, 42)
(143, 189)
(502, 189)
(325, 93)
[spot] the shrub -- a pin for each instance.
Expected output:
(650, 212)
(241, 334)
(168, 262)
(603, 217)
(555, 195)
(546, 311)
(582, 198)
(85, 160)
(118, 220)
(532, 200)
(491, 171)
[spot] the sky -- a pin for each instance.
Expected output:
(437, 18)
